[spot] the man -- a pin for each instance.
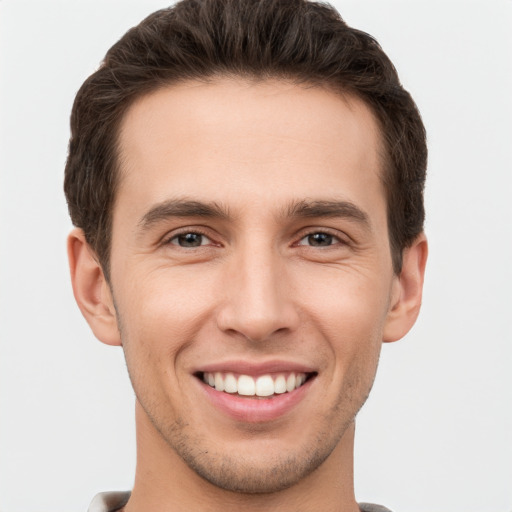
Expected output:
(246, 180)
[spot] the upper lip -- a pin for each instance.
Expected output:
(255, 368)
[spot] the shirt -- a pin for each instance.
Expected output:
(112, 501)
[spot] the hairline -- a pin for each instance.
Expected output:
(347, 94)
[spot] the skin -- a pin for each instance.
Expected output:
(295, 265)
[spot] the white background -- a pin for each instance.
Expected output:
(436, 434)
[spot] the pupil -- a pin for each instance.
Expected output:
(190, 240)
(320, 239)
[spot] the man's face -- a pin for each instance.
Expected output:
(250, 250)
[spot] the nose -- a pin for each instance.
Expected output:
(257, 296)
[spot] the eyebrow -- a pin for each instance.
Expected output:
(341, 209)
(182, 208)
(212, 210)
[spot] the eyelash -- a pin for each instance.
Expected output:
(175, 236)
(336, 239)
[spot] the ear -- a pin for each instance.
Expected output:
(407, 291)
(91, 290)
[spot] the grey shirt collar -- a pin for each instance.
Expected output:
(112, 501)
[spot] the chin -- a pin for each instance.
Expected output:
(262, 475)
(254, 466)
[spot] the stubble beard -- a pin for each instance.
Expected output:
(256, 474)
(234, 472)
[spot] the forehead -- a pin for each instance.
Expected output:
(232, 139)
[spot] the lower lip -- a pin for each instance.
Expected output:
(256, 410)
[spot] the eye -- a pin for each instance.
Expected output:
(190, 240)
(319, 239)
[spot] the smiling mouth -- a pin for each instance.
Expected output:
(263, 386)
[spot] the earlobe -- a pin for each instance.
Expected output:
(407, 293)
(91, 290)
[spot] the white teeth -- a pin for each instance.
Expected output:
(265, 385)
(219, 382)
(280, 385)
(245, 385)
(230, 383)
(290, 382)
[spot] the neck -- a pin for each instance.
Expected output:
(164, 482)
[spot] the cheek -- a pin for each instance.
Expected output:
(349, 311)
(348, 303)
(160, 316)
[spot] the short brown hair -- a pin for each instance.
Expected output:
(298, 40)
